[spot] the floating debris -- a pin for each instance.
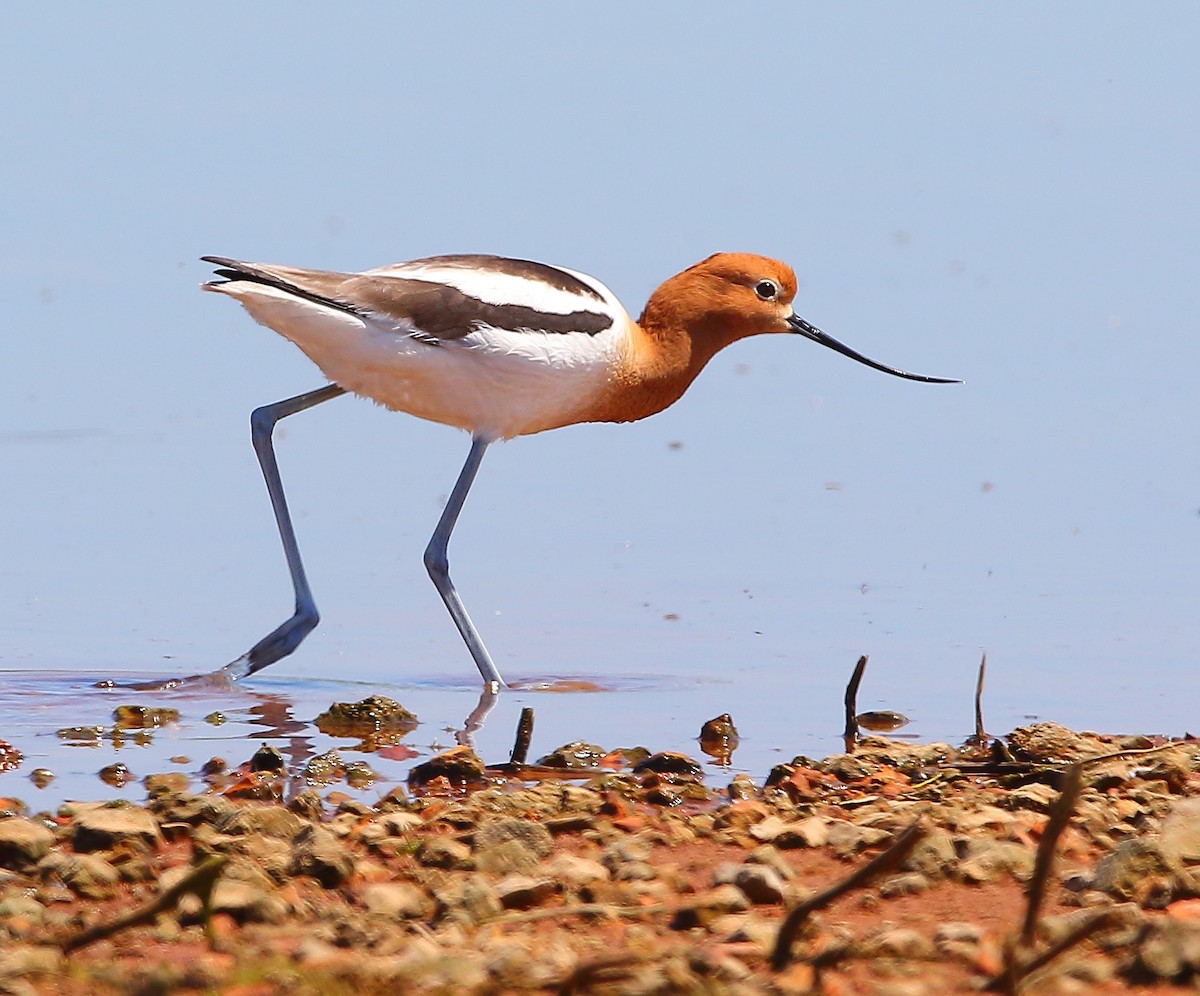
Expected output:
(41, 777)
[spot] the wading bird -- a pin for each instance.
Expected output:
(501, 348)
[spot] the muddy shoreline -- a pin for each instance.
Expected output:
(628, 877)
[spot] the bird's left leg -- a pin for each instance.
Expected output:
(438, 565)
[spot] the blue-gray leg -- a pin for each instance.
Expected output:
(285, 638)
(438, 565)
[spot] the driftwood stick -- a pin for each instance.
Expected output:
(524, 735)
(199, 882)
(1060, 816)
(980, 733)
(851, 700)
(886, 861)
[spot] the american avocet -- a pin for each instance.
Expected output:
(501, 348)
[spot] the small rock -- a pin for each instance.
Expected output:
(575, 872)
(473, 900)
(444, 852)
(103, 828)
(139, 717)
(23, 842)
(767, 830)
(116, 774)
(400, 823)
(274, 821)
(531, 836)
(1035, 796)
(759, 884)
(325, 769)
(669, 762)
(460, 767)
(904, 884)
(1179, 835)
(87, 875)
(307, 805)
(361, 719)
(506, 857)
(1139, 871)
(317, 852)
(268, 758)
(244, 901)
(1170, 949)
(848, 839)
(577, 754)
(771, 858)
(708, 906)
(958, 940)
(812, 831)
(899, 942)
(397, 900)
(987, 860)
(742, 787)
(1050, 743)
(166, 784)
(522, 892)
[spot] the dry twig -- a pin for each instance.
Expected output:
(886, 861)
(851, 700)
(199, 882)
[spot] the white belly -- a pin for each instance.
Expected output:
(495, 383)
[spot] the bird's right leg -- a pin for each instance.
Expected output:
(286, 637)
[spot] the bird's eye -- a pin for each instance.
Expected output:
(768, 290)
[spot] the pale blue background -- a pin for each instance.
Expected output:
(1003, 193)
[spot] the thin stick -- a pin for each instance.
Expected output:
(851, 733)
(199, 882)
(900, 848)
(579, 909)
(980, 734)
(524, 734)
(1060, 816)
(1015, 972)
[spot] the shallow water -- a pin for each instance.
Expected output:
(1020, 214)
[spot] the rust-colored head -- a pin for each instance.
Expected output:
(724, 298)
